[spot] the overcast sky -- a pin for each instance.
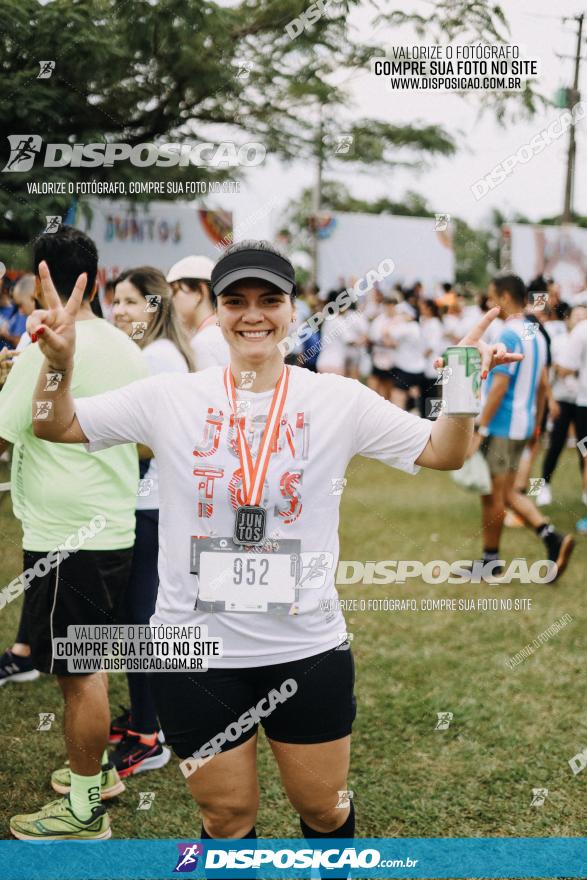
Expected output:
(534, 189)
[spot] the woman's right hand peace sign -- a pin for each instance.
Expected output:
(54, 326)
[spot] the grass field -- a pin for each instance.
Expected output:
(512, 731)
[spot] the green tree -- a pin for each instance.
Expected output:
(190, 70)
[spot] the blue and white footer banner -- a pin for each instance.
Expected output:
(503, 857)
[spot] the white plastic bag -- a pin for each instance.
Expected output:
(474, 475)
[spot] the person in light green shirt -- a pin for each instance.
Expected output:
(77, 511)
(58, 487)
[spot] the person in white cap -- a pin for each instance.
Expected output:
(190, 283)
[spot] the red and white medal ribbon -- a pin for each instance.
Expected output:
(254, 473)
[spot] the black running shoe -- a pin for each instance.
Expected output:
(15, 668)
(119, 726)
(133, 755)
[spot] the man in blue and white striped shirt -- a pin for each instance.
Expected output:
(514, 399)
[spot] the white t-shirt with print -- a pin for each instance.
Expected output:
(185, 420)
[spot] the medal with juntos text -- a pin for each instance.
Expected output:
(251, 518)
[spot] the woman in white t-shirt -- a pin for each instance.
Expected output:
(251, 462)
(143, 308)
(342, 339)
(382, 349)
(407, 373)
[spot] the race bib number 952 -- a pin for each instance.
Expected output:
(232, 578)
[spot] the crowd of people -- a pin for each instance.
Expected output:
(392, 338)
(124, 392)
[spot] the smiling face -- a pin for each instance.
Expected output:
(254, 316)
(128, 307)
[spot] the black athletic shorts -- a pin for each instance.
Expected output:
(195, 707)
(381, 374)
(404, 380)
(86, 588)
(581, 425)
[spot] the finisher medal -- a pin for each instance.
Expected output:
(251, 519)
(249, 526)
